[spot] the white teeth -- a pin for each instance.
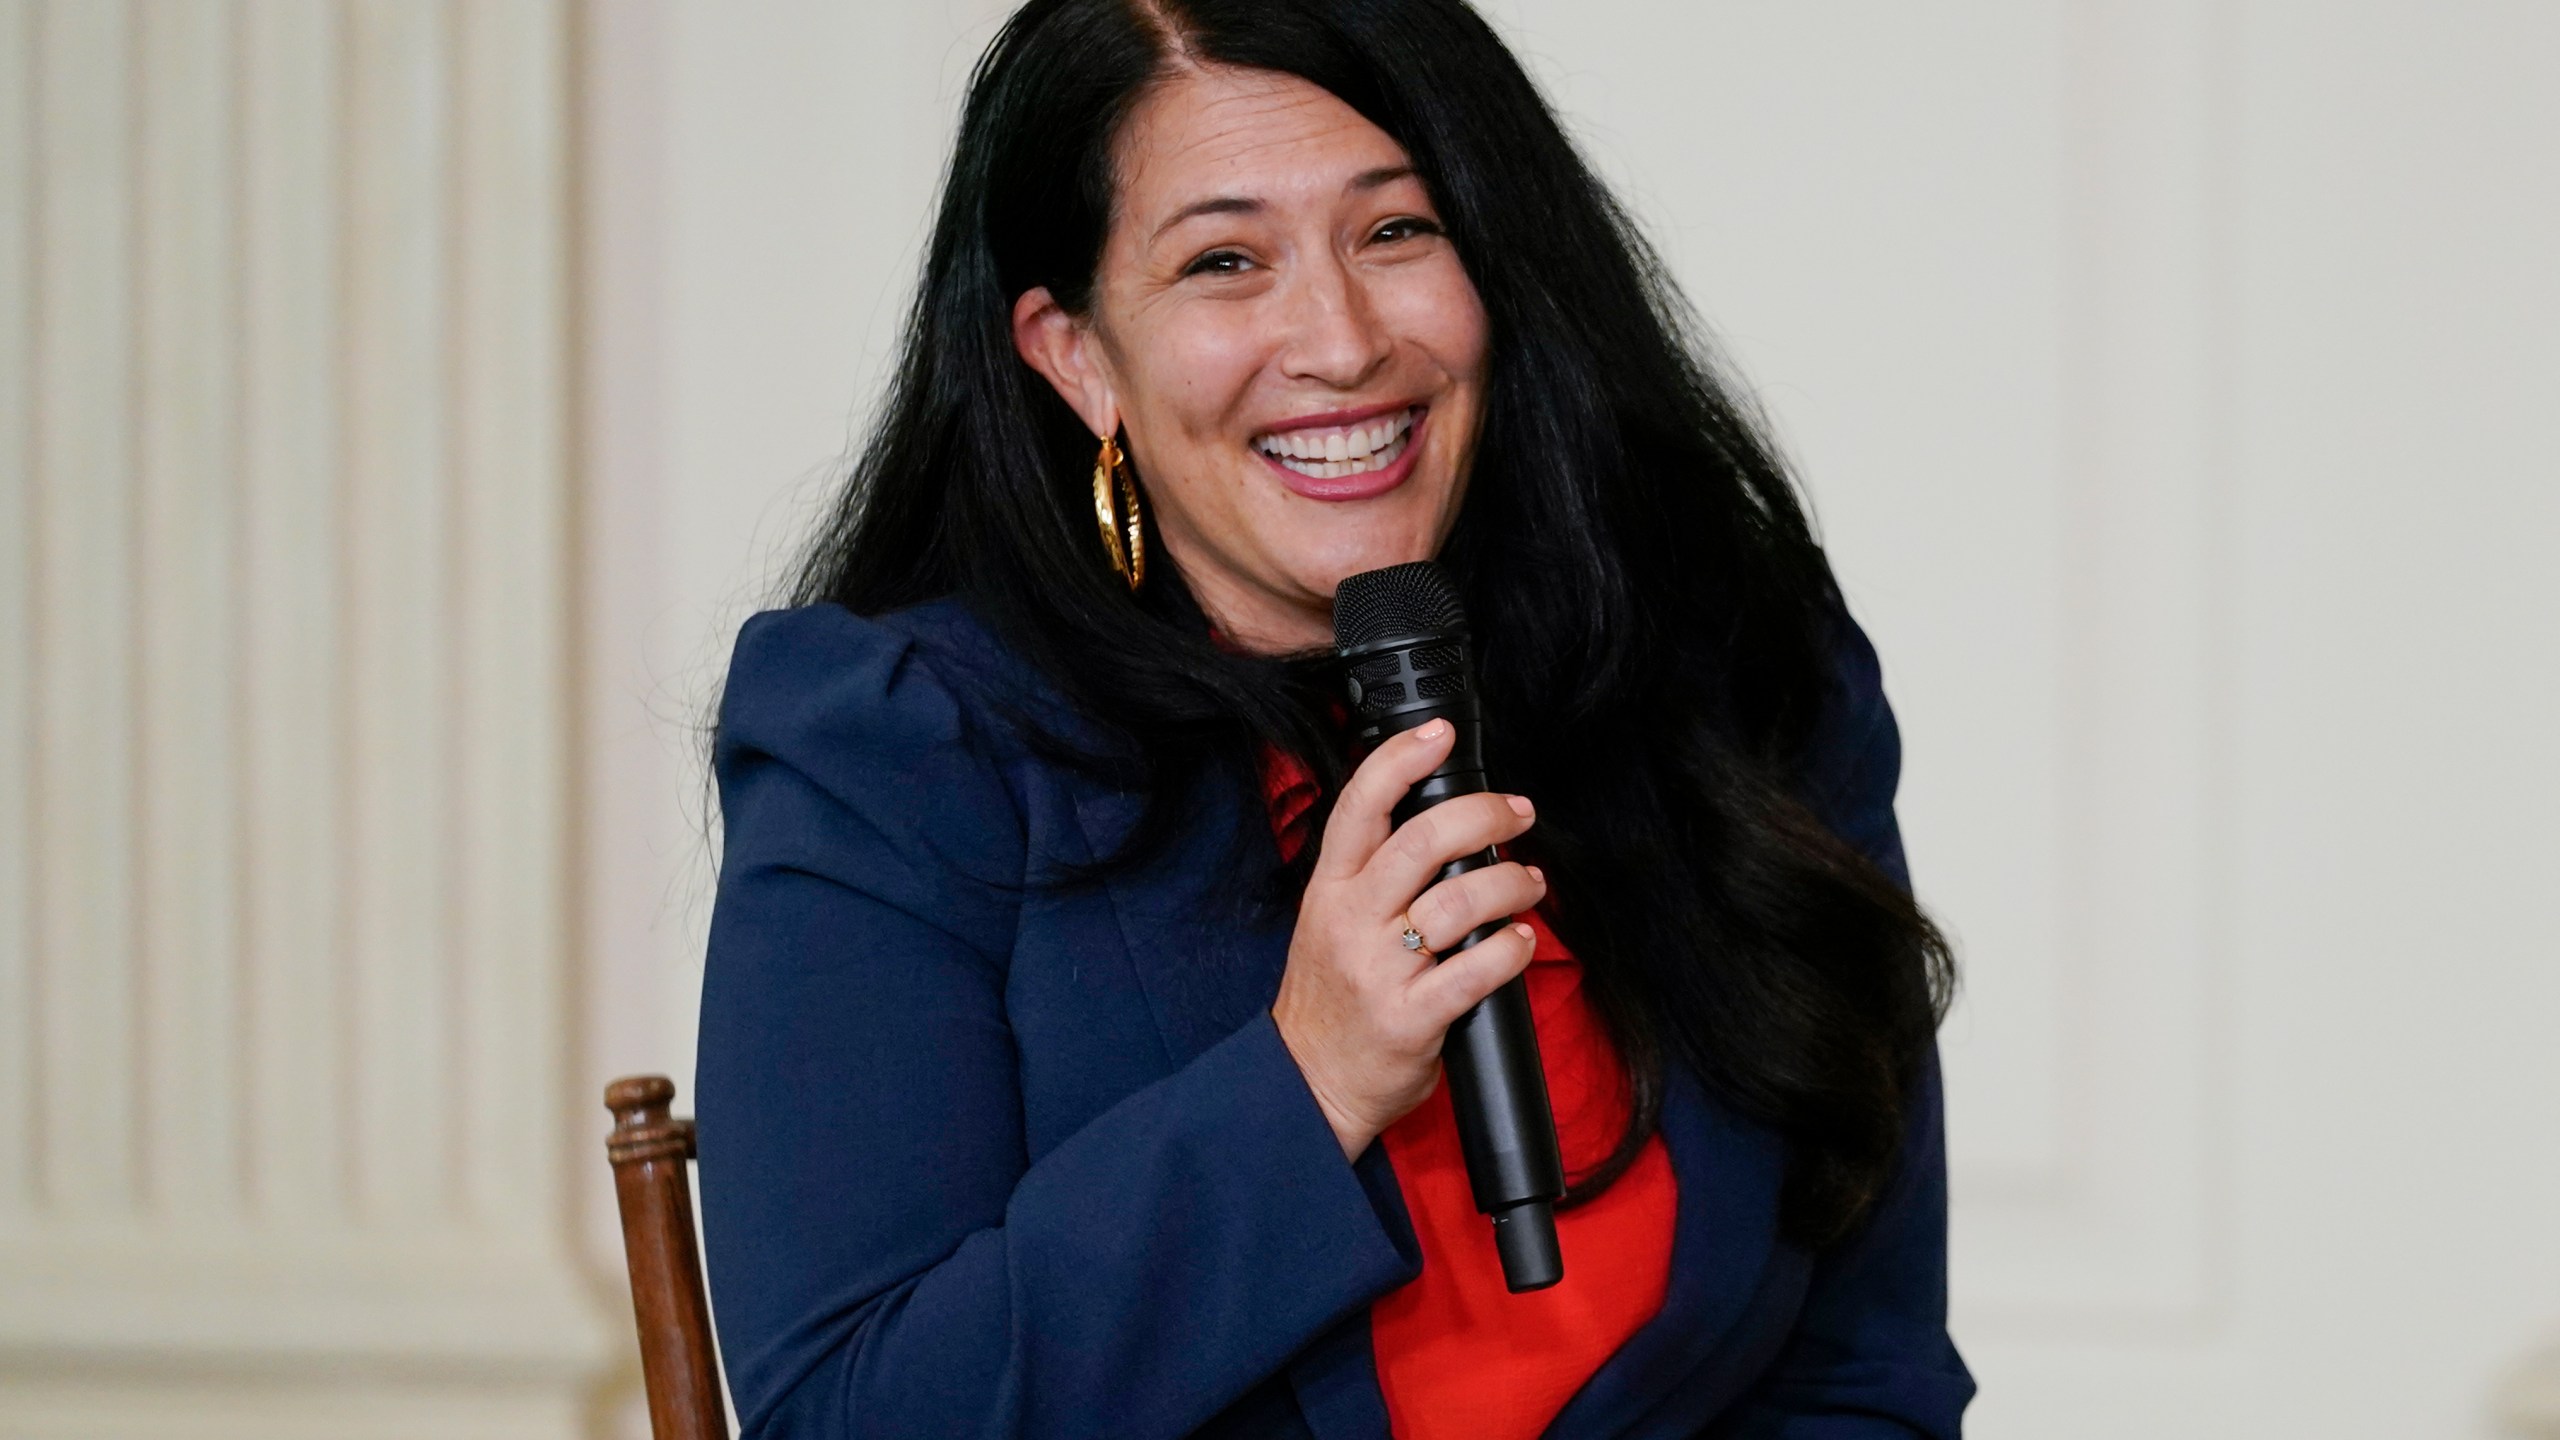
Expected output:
(1357, 451)
(1348, 451)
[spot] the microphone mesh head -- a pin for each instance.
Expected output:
(1401, 600)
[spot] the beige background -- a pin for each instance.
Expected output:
(401, 402)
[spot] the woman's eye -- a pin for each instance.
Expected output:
(1404, 228)
(1218, 262)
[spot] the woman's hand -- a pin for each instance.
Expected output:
(1362, 1015)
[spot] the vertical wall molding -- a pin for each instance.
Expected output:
(87, 1108)
(17, 613)
(294, 671)
(187, 430)
(284, 706)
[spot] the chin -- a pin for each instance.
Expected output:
(1326, 575)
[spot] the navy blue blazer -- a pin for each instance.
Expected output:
(983, 1156)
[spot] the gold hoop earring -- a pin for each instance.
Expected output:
(1128, 561)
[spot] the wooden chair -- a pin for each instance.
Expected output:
(679, 1362)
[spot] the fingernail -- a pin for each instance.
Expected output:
(1537, 874)
(1524, 932)
(1520, 805)
(1435, 729)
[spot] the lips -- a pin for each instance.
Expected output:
(1345, 456)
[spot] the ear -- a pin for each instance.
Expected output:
(1063, 349)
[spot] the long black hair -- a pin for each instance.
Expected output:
(1656, 650)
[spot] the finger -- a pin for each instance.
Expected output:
(1449, 989)
(1363, 814)
(1411, 858)
(1448, 911)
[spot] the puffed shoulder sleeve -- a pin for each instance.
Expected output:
(885, 1257)
(841, 752)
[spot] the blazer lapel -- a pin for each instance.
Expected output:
(1205, 955)
(1208, 963)
(1731, 1295)
(1722, 1261)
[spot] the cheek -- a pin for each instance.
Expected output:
(1188, 368)
(1197, 364)
(1437, 310)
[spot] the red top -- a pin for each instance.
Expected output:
(1458, 1355)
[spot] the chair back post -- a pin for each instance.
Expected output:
(678, 1362)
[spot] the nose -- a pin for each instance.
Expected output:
(1335, 334)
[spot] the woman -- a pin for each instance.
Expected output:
(1064, 1065)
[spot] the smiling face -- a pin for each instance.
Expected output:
(1289, 340)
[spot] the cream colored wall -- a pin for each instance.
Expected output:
(2164, 374)
(2128, 348)
(285, 804)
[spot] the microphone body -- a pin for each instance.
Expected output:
(1403, 643)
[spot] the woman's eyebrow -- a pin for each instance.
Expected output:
(1247, 205)
(1214, 205)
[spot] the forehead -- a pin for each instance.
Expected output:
(1256, 134)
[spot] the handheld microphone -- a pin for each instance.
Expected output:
(1402, 638)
